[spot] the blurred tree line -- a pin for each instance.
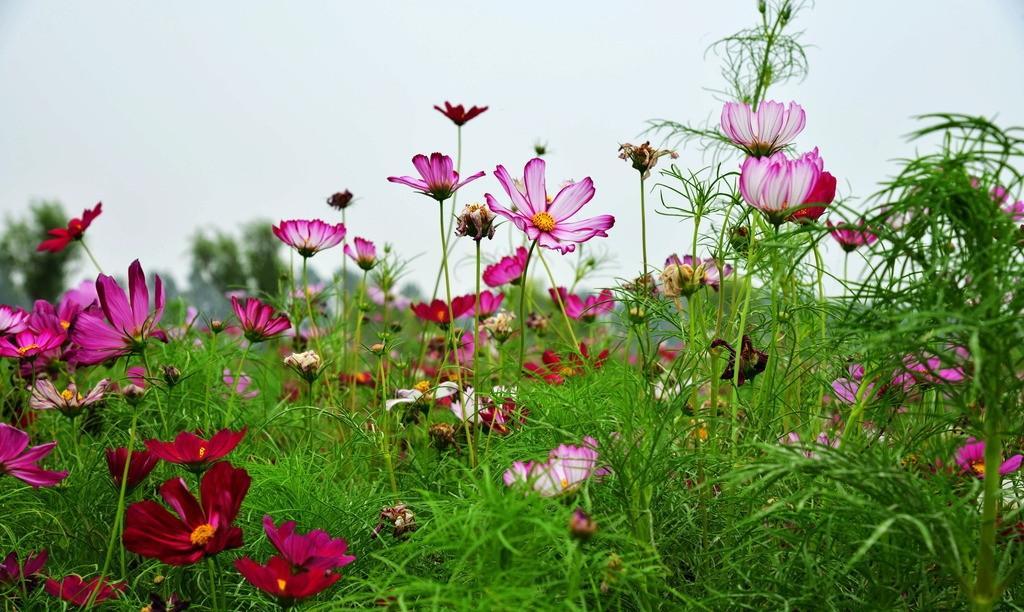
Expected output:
(249, 260)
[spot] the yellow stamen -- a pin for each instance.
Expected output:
(543, 221)
(65, 324)
(28, 347)
(423, 386)
(67, 395)
(202, 452)
(978, 467)
(565, 483)
(281, 584)
(566, 371)
(202, 534)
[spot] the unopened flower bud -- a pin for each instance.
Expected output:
(739, 239)
(377, 348)
(307, 364)
(171, 375)
(216, 326)
(476, 221)
(581, 526)
(637, 315)
(442, 435)
(681, 279)
(133, 394)
(340, 200)
(540, 148)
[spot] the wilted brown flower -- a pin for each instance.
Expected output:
(340, 200)
(476, 221)
(500, 325)
(442, 435)
(401, 519)
(644, 157)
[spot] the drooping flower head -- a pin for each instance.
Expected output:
(280, 581)
(765, 131)
(544, 221)
(258, 320)
(509, 269)
(314, 550)
(971, 459)
(12, 319)
(78, 591)
(141, 464)
(364, 253)
(458, 114)
(61, 237)
(787, 189)
(309, 237)
(438, 178)
(13, 572)
(20, 461)
(750, 361)
(850, 236)
(68, 402)
(129, 323)
(437, 310)
(195, 453)
(202, 527)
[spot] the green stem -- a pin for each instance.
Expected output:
(561, 304)
(522, 308)
(91, 257)
(213, 584)
(643, 224)
(357, 338)
(450, 331)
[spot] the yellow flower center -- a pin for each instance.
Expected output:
(28, 347)
(65, 324)
(67, 395)
(202, 452)
(202, 534)
(565, 483)
(423, 386)
(566, 371)
(978, 467)
(543, 221)
(281, 584)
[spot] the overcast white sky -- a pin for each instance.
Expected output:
(203, 114)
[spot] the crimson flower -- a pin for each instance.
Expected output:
(195, 453)
(312, 551)
(202, 528)
(258, 320)
(16, 461)
(437, 310)
(439, 179)
(62, 237)
(141, 464)
(13, 572)
(557, 368)
(309, 237)
(508, 270)
(547, 221)
(278, 580)
(78, 591)
(458, 114)
(129, 323)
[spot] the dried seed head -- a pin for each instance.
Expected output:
(644, 157)
(476, 221)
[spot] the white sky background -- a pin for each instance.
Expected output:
(186, 115)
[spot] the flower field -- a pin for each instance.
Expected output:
(737, 424)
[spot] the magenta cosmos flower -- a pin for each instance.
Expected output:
(544, 221)
(787, 189)
(129, 322)
(258, 321)
(364, 253)
(439, 179)
(971, 459)
(584, 309)
(851, 236)
(309, 237)
(458, 114)
(314, 550)
(18, 460)
(764, 131)
(508, 270)
(31, 343)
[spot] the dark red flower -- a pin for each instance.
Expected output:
(278, 580)
(76, 590)
(437, 310)
(458, 114)
(557, 368)
(62, 237)
(340, 200)
(171, 604)
(200, 529)
(141, 464)
(316, 550)
(12, 572)
(194, 452)
(752, 361)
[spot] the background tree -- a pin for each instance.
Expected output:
(26, 274)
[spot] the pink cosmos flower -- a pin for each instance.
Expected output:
(314, 550)
(544, 221)
(566, 469)
(584, 309)
(508, 270)
(548, 221)
(364, 253)
(764, 131)
(12, 319)
(851, 236)
(18, 460)
(258, 320)
(439, 179)
(31, 343)
(845, 389)
(971, 459)
(787, 189)
(489, 303)
(309, 237)
(69, 401)
(381, 298)
(930, 368)
(240, 388)
(128, 325)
